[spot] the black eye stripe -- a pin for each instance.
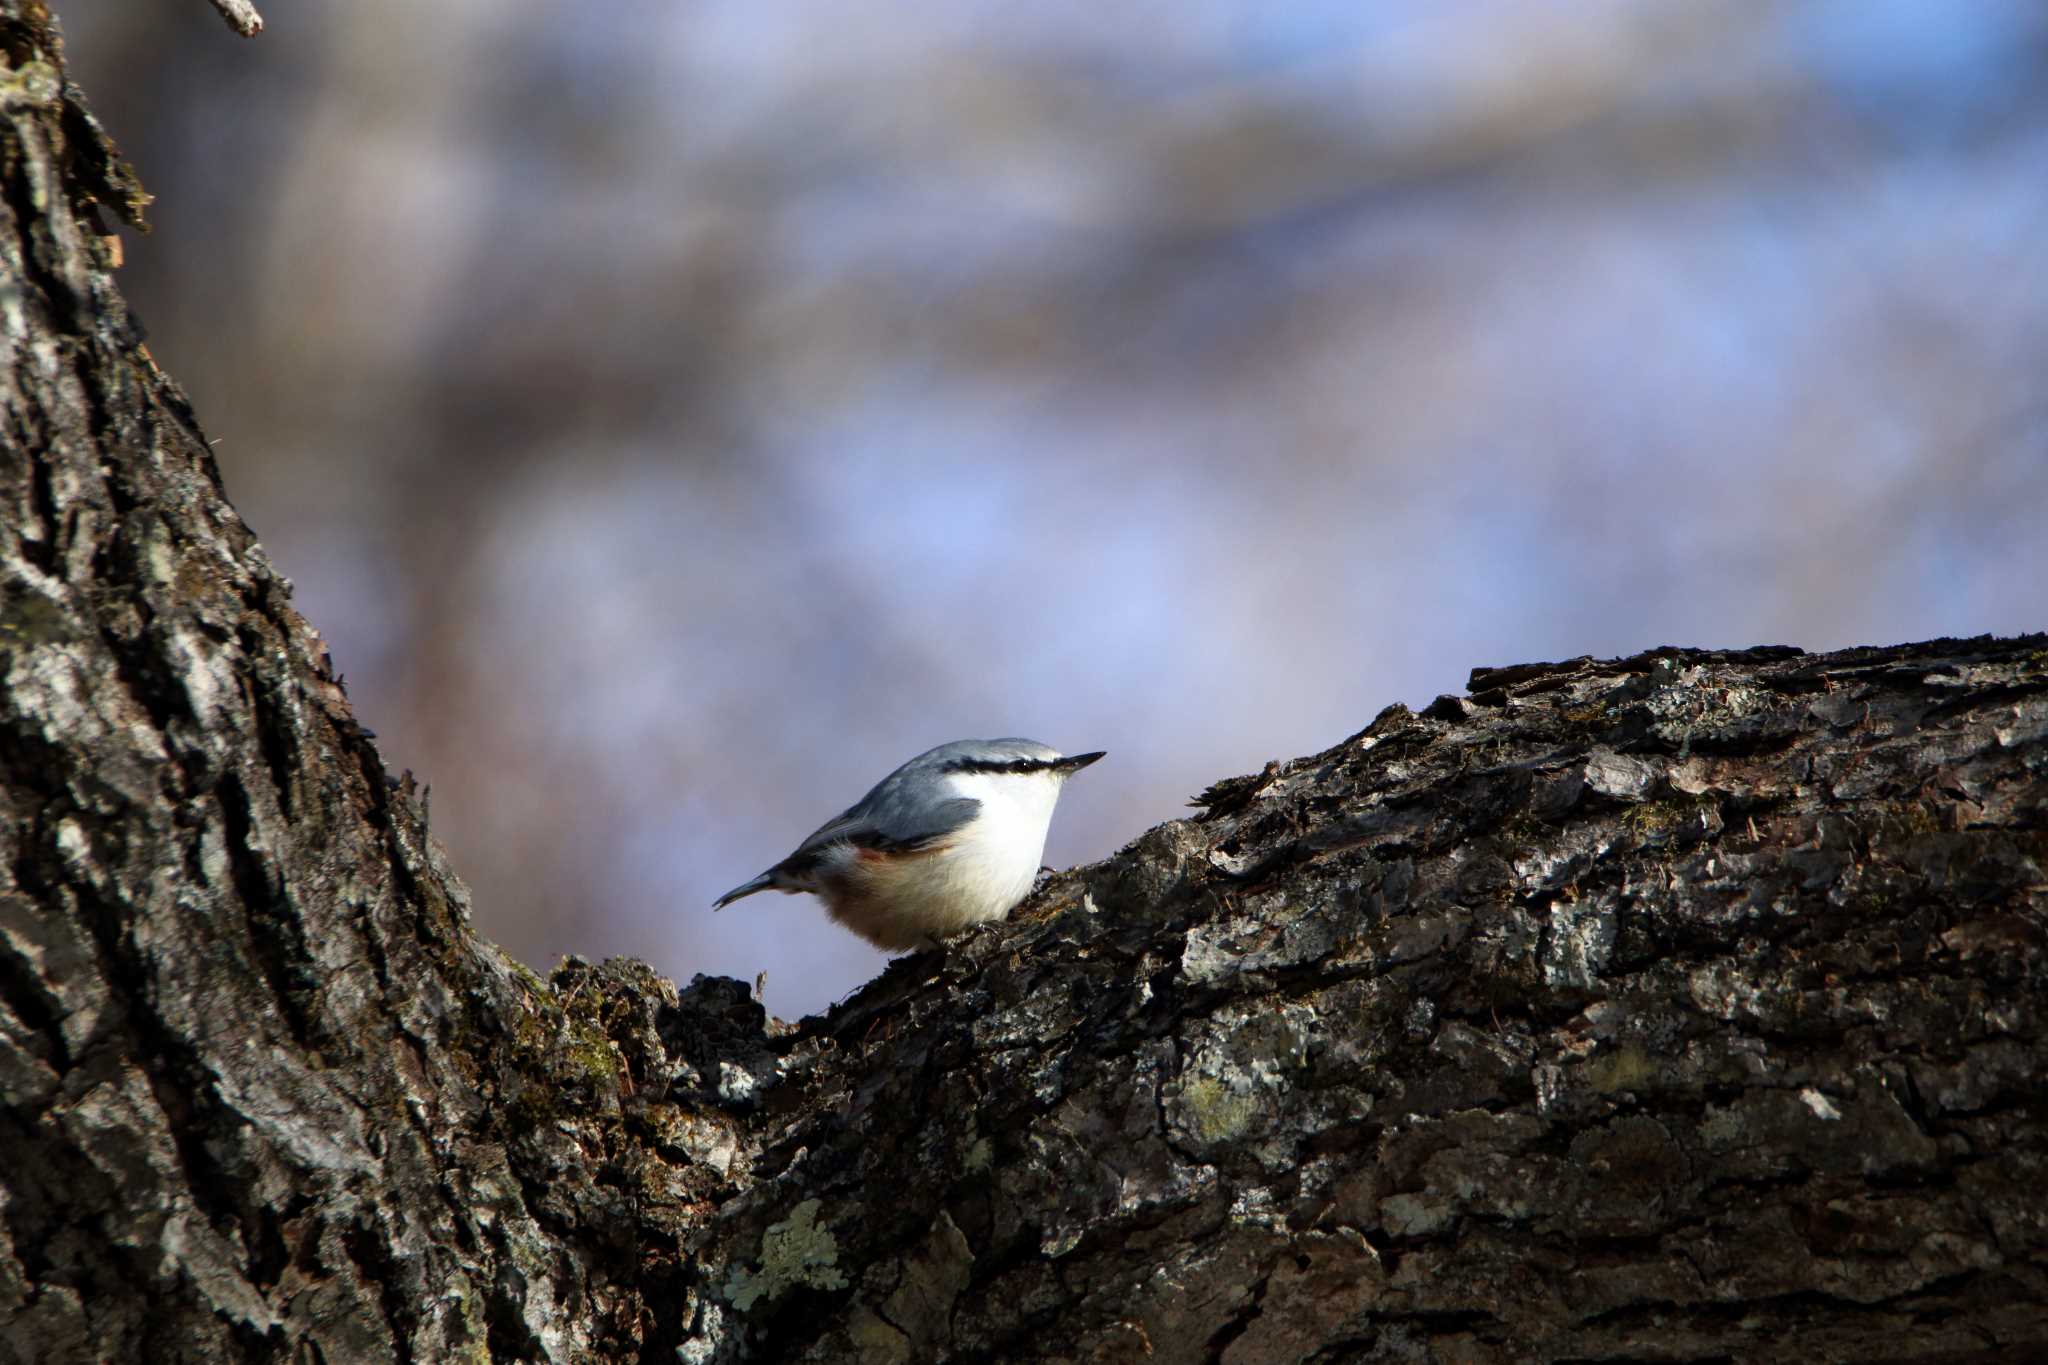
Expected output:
(1001, 765)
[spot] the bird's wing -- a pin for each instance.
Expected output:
(887, 826)
(886, 820)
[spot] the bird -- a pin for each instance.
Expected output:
(950, 839)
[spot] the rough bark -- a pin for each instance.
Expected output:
(1682, 1007)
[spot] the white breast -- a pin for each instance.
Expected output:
(1004, 846)
(978, 874)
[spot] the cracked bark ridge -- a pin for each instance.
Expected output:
(1683, 1007)
(1678, 1007)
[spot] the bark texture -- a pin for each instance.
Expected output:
(1683, 1007)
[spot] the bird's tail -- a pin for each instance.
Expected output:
(760, 883)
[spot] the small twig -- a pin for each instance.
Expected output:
(241, 16)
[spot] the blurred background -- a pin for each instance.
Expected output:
(677, 415)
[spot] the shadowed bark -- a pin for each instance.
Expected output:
(1683, 1007)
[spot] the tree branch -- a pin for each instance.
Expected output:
(241, 16)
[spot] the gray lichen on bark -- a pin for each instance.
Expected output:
(1686, 1006)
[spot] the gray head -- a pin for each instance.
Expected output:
(998, 756)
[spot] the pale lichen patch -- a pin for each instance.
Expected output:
(1215, 1111)
(796, 1251)
(1822, 1107)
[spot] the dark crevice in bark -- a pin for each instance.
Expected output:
(663, 1281)
(506, 1333)
(276, 930)
(151, 683)
(21, 40)
(1241, 1322)
(252, 1343)
(264, 1235)
(43, 552)
(47, 1184)
(274, 732)
(123, 497)
(23, 991)
(379, 1268)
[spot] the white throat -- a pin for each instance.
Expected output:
(1009, 830)
(999, 853)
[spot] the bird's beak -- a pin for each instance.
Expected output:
(1073, 763)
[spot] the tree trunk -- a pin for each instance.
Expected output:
(1681, 1007)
